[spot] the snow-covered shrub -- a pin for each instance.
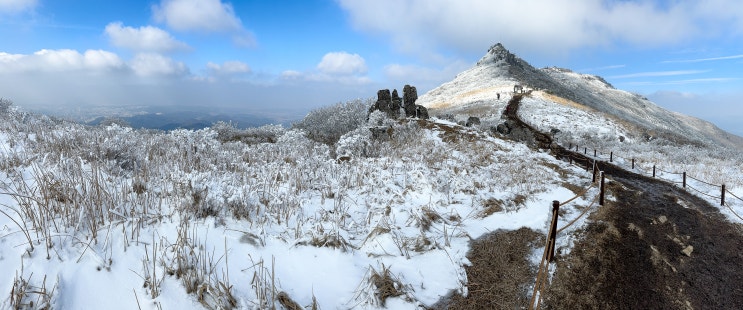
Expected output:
(227, 132)
(328, 124)
(355, 143)
(5, 105)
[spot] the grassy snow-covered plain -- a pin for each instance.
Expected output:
(111, 217)
(116, 218)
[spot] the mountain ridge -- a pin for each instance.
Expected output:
(499, 71)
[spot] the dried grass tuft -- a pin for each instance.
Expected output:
(386, 285)
(287, 302)
(501, 273)
(490, 206)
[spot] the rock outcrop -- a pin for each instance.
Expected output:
(409, 96)
(391, 103)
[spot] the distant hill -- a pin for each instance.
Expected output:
(169, 120)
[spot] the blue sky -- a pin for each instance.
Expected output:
(287, 57)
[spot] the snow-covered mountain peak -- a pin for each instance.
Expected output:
(499, 55)
(486, 87)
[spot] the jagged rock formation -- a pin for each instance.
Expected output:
(392, 103)
(410, 95)
(387, 103)
(396, 103)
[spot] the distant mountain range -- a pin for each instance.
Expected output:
(169, 120)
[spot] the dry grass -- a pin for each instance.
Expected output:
(287, 302)
(490, 206)
(563, 101)
(386, 285)
(501, 274)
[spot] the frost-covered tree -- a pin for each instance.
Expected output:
(5, 105)
(328, 124)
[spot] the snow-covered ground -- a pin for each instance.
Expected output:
(118, 218)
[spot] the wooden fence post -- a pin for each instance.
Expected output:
(611, 156)
(585, 151)
(633, 163)
(722, 197)
(593, 179)
(594, 152)
(553, 231)
(653, 170)
(684, 182)
(602, 191)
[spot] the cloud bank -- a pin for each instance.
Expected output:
(147, 38)
(549, 26)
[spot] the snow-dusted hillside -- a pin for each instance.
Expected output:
(115, 218)
(500, 70)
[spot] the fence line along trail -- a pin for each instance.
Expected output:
(653, 245)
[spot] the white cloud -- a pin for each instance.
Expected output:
(97, 62)
(334, 67)
(198, 15)
(342, 63)
(146, 39)
(15, 6)
(150, 64)
(228, 67)
(63, 60)
(546, 26)
(291, 75)
(704, 59)
(658, 73)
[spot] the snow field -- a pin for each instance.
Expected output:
(126, 218)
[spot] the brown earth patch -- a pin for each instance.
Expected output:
(501, 274)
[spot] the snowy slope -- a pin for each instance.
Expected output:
(115, 218)
(499, 70)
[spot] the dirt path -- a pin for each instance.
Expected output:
(655, 247)
(652, 246)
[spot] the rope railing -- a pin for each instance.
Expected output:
(700, 181)
(541, 276)
(734, 213)
(703, 193)
(656, 171)
(661, 170)
(578, 195)
(549, 249)
(731, 194)
(585, 211)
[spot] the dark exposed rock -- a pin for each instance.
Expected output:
(409, 96)
(391, 103)
(386, 103)
(554, 131)
(503, 128)
(472, 121)
(396, 104)
(421, 112)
